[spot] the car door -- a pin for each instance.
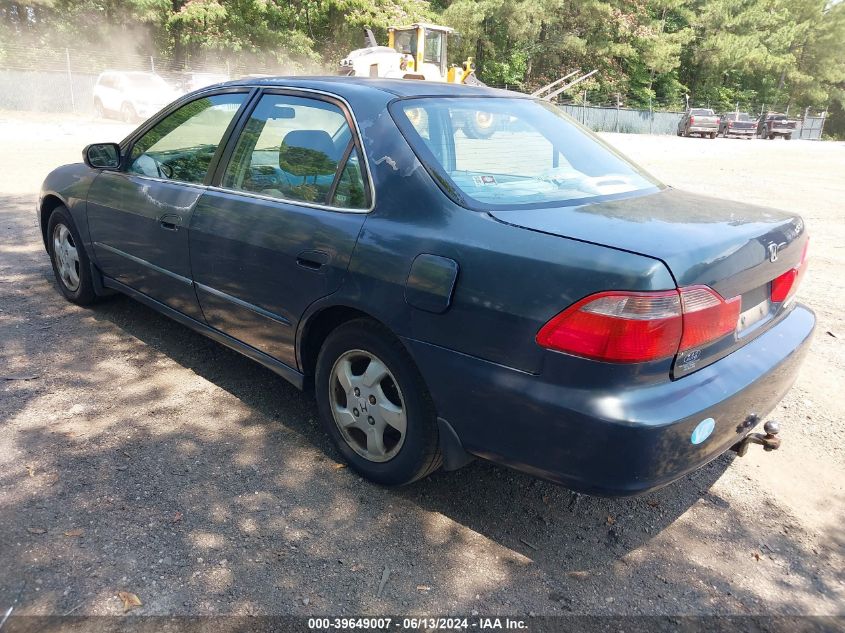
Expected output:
(117, 85)
(139, 216)
(278, 230)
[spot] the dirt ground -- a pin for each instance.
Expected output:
(136, 455)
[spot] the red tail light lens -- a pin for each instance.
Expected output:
(691, 120)
(707, 316)
(635, 327)
(784, 286)
(623, 327)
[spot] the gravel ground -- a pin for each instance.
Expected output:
(136, 455)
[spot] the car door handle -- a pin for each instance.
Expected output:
(170, 221)
(312, 260)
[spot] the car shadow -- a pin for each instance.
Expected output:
(547, 523)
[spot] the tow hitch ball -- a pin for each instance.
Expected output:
(770, 441)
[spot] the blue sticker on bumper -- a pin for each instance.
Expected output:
(703, 430)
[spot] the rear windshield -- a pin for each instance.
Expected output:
(742, 116)
(507, 151)
(701, 112)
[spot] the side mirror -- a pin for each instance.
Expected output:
(102, 155)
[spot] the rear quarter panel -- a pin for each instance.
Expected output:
(510, 280)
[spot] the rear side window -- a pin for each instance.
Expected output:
(180, 146)
(298, 149)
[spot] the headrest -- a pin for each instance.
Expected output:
(308, 153)
(316, 140)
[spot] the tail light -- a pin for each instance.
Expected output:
(707, 316)
(785, 286)
(691, 120)
(636, 327)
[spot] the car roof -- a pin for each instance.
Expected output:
(398, 87)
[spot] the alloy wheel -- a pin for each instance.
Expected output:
(367, 405)
(66, 257)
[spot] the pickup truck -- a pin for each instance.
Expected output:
(701, 121)
(772, 125)
(737, 124)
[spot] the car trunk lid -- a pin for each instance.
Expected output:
(704, 119)
(734, 248)
(742, 125)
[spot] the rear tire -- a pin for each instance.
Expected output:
(99, 110)
(712, 135)
(71, 265)
(787, 137)
(374, 405)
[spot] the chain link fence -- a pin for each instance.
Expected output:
(44, 79)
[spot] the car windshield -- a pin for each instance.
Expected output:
(742, 116)
(508, 151)
(147, 82)
(701, 112)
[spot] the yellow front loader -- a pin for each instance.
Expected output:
(418, 51)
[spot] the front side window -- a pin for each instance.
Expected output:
(298, 149)
(506, 151)
(180, 146)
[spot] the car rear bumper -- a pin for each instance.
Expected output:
(619, 442)
(740, 132)
(705, 129)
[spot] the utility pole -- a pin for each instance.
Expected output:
(70, 81)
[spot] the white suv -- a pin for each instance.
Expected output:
(134, 95)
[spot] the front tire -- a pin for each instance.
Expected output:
(128, 114)
(480, 125)
(99, 110)
(374, 405)
(71, 265)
